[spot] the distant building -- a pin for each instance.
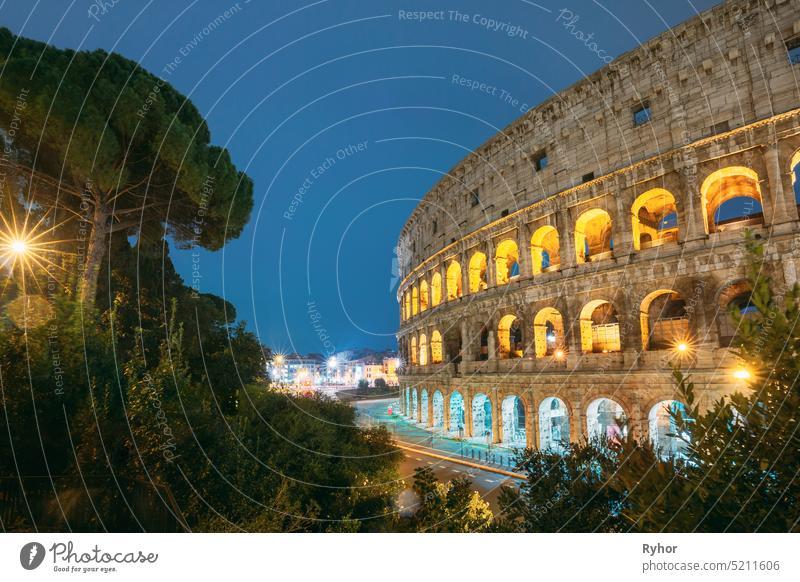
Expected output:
(296, 369)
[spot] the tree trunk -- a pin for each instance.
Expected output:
(98, 242)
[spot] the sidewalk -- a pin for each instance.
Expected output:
(410, 433)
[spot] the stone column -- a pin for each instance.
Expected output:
(466, 344)
(467, 413)
(429, 421)
(531, 424)
(566, 238)
(781, 198)
(693, 227)
(419, 404)
(621, 226)
(490, 343)
(577, 422)
(491, 268)
(524, 246)
(497, 417)
(446, 411)
(464, 274)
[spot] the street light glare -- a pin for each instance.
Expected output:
(742, 374)
(682, 347)
(19, 246)
(332, 362)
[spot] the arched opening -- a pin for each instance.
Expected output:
(663, 427)
(477, 272)
(548, 332)
(545, 250)
(414, 359)
(408, 401)
(514, 422)
(735, 299)
(731, 199)
(506, 261)
(407, 303)
(662, 317)
(436, 289)
(414, 403)
(423, 409)
(456, 414)
(436, 347)
(655, 219)
(483, 350)
(606, 421)
(423, 349)
(453, 281)
(481, 417)
(423, 296)
(599, 328)
(509, 336)
(452, 344)
(553, 424)
(438, 410)
(414, 300)
(593, 237)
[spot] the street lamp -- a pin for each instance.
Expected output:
(742, 374)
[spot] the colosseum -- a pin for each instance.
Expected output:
(551, 278)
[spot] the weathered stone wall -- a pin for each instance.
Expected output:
(724, 100)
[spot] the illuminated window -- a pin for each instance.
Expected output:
(731, 199)
(599, 328)
(545, 249)
(477, 272)
(593, 240)
(655, 219)
(506, 261)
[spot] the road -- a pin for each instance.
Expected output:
(486, 482)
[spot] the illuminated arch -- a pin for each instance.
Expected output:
(593, 236)
(722, 186)
(453, 281)
(477, 272)
(436, 347)
(438, 410)
(655, 219)
(509, 337)
(553, 425)
(599, 328)
(513, 414)
(423, 408)
(506, 260)
(545, 249)
(423, 349)
(436, 289)
(606, 421)
(482, 416)
(794, 169)
(414, 300)
(548, 332)
(423, 296)
(414, 350)
(414, 403)
(663, 429)
(663, 321)
(407, 304)
(456, 413)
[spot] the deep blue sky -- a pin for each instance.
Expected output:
(285, 94)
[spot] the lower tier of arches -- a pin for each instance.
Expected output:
(520, 418)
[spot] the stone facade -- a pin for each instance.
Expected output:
(580, 251)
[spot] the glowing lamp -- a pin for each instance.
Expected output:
(18, 246)
(682, 347)
(742, 374)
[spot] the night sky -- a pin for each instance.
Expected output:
(311, 99)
